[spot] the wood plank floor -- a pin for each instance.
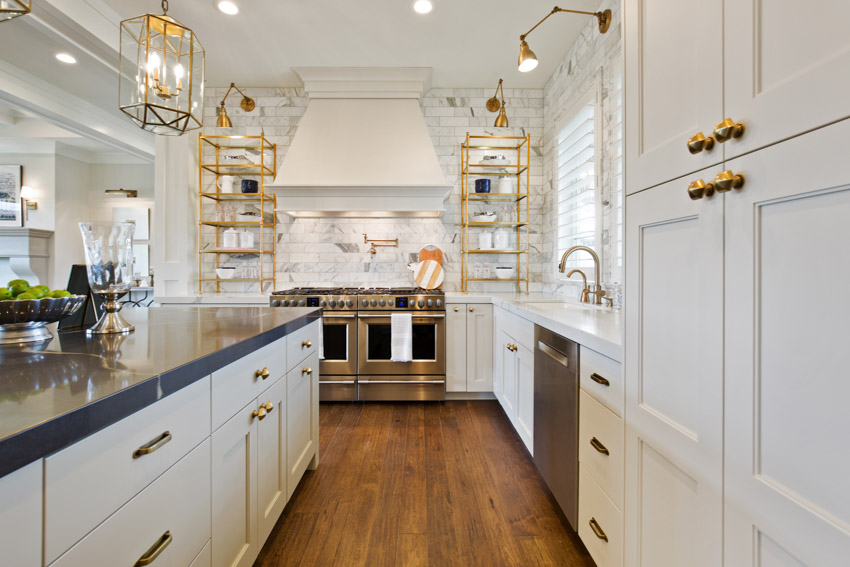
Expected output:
(413, 484)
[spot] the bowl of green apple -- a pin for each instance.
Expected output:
(25, 310)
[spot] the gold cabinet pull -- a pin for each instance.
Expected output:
(597, 529)
(599, 379)
(268, 405)
(307, 344)
(699, 189)
(726, 181)
(153, 445)
(597, 444)
(511, 347)
(728, 129)
(698, 142)
(260, 413)
(457, 309)
(307, 370)
(264, 373)
(472, 309)
(152, 553)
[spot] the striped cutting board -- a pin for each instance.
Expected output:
(430, 275)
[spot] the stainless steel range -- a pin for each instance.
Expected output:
(357, 340)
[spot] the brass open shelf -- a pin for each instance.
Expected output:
(213, 152)
(518, 150)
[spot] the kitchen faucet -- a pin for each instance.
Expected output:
(596, 289)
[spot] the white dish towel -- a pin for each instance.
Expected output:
(402, 337)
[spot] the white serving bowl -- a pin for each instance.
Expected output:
(505, 272)
(226, 272)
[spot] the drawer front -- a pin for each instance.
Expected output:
(600, 446)
(89, 480)
(302, 343)
(596, 369)
(235, 385)
(177, 504)
(520, 330)
(594, 506)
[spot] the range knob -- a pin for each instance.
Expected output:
(391, 302)
(429, 303)
(373, 303)
(285, 303)
(382, 303)
(333, 303)
(420, 303)
(275, 302)
(323, 303)
(439, 303)
(302, 303)
(364, 303)
(348, 303)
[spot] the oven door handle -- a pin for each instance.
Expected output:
(362, 381)
(415, 316)
(338, 316)
(337, 382)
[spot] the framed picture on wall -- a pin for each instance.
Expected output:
(11, 213)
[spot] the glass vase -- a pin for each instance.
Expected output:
(109, 263)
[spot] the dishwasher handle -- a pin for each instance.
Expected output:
(553, 353)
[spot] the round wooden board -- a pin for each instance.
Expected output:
(430, 275)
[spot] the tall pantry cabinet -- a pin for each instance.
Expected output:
(736, 263)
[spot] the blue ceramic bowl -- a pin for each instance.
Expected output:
(482, 185)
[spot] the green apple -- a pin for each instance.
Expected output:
(5, 293)
(18, 288)
(18, 282)
(37, 292)
(59, 293)
(26, 295)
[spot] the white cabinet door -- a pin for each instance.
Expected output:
(674, 377)
(778, 81)
(479, 345)
(500, 352)
(234, 490)
(271, 458)
(674, 86)
(302, 414)
(509, 376)
(21, 515)
(525, 396)
(787, 312)
(456, 351)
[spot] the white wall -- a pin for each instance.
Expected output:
(71, 197)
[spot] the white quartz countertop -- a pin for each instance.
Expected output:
(597, 328)
(216, 299)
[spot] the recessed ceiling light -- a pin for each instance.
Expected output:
(66, 58)
(229, 8)
(423, 6)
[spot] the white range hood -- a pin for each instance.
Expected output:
(362, 148)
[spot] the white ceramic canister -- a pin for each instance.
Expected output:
(225, 183)
(485, 241)
(500, 239)
(246, 239)
(230, 238)
(506, 185)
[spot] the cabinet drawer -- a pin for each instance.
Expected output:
(177, 504)
(596, 369)
(89, 480)
(594, 505)
(302, 343)
(235, 385)
(600, 430)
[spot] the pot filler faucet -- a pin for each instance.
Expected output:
(595, 290)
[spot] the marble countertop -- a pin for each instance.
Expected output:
(55, 393)
(597, 328)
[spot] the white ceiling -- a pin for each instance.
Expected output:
(468, 43)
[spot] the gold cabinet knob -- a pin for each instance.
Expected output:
(457, 309)
(726, 181)
(698, 142)
(728, 129)
(307, 344)
(268, 405)
(264, 373)
(699, 189)
(260, 413)
(472, 309)
(307, 370)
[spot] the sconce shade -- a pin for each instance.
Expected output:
(161, 82)
(13, 8)
(527, 58)
(501, 119)
(223, 119)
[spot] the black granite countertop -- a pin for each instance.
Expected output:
(55, 393)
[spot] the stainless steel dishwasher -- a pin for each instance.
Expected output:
(556, 417)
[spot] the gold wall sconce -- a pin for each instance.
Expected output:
(27, 194)
(247, 105)
(129, 193)
(493, 105)
(13, 8)
(161, 74)
(527, 58)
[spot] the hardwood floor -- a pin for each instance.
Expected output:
(413, 484)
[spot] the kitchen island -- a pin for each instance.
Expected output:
(96, 432)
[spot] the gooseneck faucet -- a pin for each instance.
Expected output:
(596, 289)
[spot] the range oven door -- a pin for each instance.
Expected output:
(339, 343)
(375, 340)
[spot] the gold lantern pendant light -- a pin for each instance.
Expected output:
(161, 74)
(493, 105)
(247, 105)
(13, 8)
